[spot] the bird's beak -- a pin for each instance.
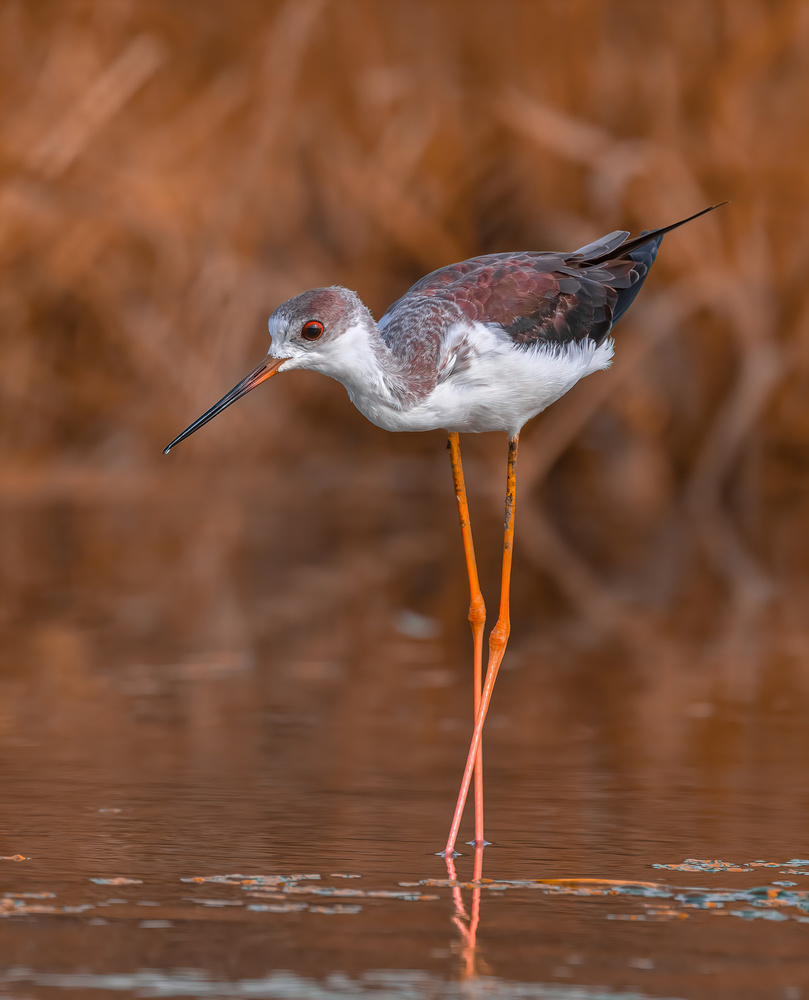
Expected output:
(265, 370)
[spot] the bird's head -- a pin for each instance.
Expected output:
(305, 333)
(305, 330)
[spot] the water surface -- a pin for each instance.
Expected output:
(249, 805)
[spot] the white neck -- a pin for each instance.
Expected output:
(372, 375)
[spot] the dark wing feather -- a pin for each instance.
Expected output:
(539, 298)
(534, 298)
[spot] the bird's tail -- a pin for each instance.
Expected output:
(652, 236)
(642, 249)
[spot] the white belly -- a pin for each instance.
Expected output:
(498, 391)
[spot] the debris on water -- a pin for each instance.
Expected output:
(776, 897)
(292, 889)
(236, 879)
(249, 879)
(337, 908)
(156, 924)
(667, 913)
(759, 914)
(17, 907)
(277, 907)
(298, 890)
(566, 886)
(791, 867)
(697, 865)
(795, 866)
(215, 902)
(29, 895)
(117, 881)
(781, 900)
(410, 897)
(326, 890)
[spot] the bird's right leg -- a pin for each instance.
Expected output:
(477, 617)
(497, 644)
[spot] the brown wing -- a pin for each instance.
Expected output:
(545, 298)
(534, 298)
(537, 298)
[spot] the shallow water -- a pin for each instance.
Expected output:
(117, 841)
(261, 820)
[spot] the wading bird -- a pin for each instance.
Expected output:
(483, 345)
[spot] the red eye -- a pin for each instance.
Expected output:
(312, 330)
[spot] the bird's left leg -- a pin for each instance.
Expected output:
(497, 643)
(477, 615)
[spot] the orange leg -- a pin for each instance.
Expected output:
(497, 644)
(477, 616)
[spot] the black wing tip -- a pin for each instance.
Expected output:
(690, 218)
(647, 237)
(696, 215)
(682, 222)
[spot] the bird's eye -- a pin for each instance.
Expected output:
(312, 330)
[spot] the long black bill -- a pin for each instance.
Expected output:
(264, 371)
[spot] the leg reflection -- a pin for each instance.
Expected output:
(467, 922)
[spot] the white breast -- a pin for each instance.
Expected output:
(498, 388)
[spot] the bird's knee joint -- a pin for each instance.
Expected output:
(499, 636)
(477, 611)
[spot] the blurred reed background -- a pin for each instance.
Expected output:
(173, 170)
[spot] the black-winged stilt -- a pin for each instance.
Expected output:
(483, 345)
